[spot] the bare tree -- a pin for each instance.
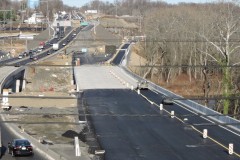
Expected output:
(224, 30)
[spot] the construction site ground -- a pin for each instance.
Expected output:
(52, 120)
(52, 117)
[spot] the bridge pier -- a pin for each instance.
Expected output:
(23, 84)
(17, 86)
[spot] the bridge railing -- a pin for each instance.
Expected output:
(196, 107)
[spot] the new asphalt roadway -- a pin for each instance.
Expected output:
(129, 127)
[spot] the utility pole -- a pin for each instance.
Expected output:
(11, 21)
(47, 16)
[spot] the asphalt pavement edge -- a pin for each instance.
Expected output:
(42, 149)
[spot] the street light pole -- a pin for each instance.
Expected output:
(116, 20)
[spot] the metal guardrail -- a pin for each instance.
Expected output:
(198, 108)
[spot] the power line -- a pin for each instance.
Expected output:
(187, 66)
(114, 114)
(146, 66)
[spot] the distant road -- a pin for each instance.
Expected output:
(117, 60)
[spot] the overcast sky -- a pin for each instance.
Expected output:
(78, 3)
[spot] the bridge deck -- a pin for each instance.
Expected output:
(102, 77)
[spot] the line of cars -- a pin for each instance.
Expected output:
(31, 54)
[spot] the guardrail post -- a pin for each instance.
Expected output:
(17, 85)
(77, 147)
(138, 91)
(24, 84)
(161, 107)
(230, 148)
(205, 133)
(172, 114)
(132, 88)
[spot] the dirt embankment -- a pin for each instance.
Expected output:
(54, 111)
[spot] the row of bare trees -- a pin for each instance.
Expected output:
(205, 35)
(123, 7)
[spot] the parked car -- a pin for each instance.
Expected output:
(167, 101)
(20, 147)
(142, 85)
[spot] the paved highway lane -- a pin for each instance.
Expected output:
(222, 135)
(117, 60)
(128, 127)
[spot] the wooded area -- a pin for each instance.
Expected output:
(200, 41)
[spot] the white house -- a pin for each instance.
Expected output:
(35, 18)
(91, 11)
